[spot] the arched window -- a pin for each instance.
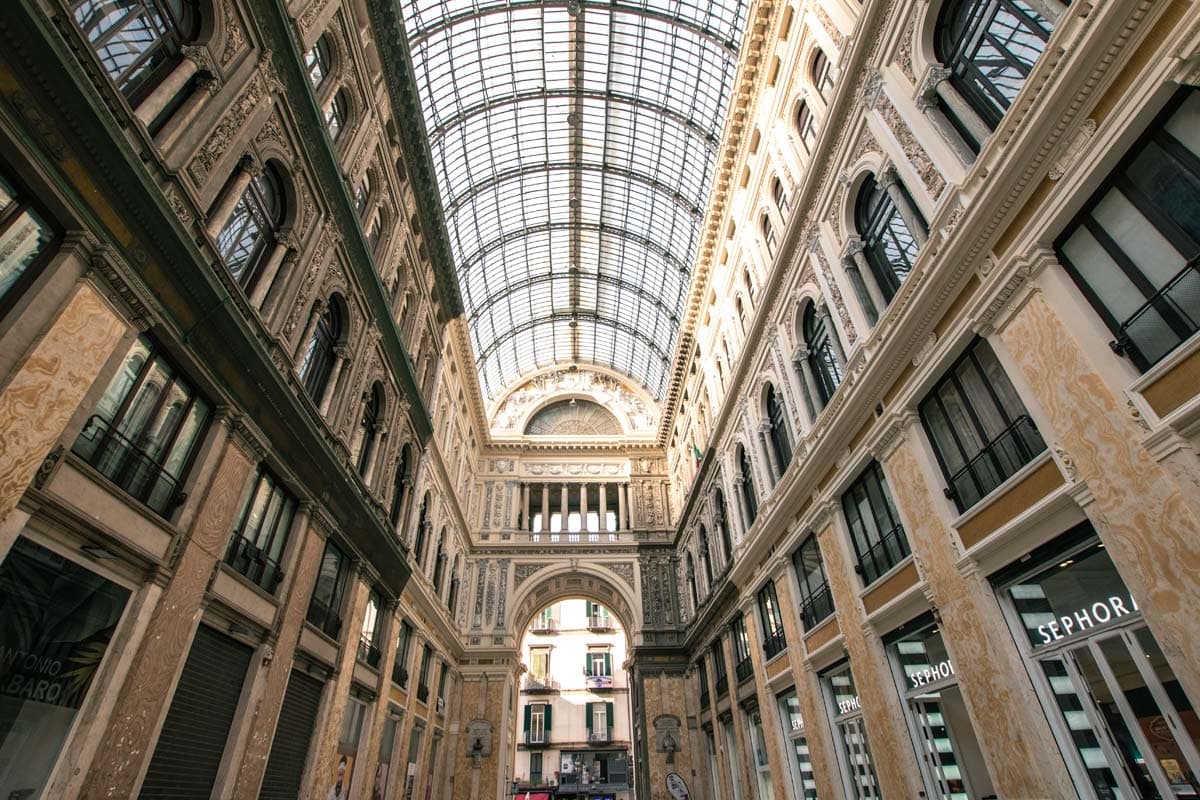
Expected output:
(806, 126)
(721, 520)
(137, 41)
(781, 441)
(740, 308)
(439, 562)
(400, 486)
(822, 78)
(422, 526)
(375, 231)
(746, 481)
(452, 595)
(780, 197)
(317, 365)
(336, 114)
(705, 558)
(246, 239)
(371, 419)
(990, 47)
(888, 245)
(822, 360)
(362, 194)
(318, 61)
(768, 233)
(749, 281)
(691, 579)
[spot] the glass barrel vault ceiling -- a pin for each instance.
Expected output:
(574, 144)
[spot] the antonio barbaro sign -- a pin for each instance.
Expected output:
(677, 787)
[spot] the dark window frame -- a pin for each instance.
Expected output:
(749, 492)
(24, 204)
(175, 27)
(770, 618)
(744, 668)
(816, 597)
(779, 437)
(822, 357)
(326, 616)
(256, 556)
(877, 550)
(876, 216)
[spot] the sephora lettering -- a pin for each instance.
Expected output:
(934, 672)
(848, 706)
(1098, 613)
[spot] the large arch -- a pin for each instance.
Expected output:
(564, 581)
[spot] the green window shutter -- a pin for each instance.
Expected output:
(589, 716)
(608, 709)
(587, 664)
(548, 710)
(528, 712)
(608, 663)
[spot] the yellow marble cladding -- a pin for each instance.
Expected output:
(891, 746)
(1139, 510)
(481, 700)
(1003, 508)
(48, 387)
(1017, 742)
(664, 694)
(887, 590)
(1174, 387)
(822, 635)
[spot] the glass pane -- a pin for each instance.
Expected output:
(1181, 703)
(22, 239)
(1079, 727)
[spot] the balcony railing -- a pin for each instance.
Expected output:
(598, 681)
(600, 622)
(705, 699)
(744, 669)
(574, 782)
(890, 550)
(816, 607)
(368, 653)
(544, 626)
(399, 675)
(324, 619)
(1011, 449)
(441, 706)
(248, 560)
(537, 737)
(599, 735)
(1164, 321)
(541, 683)
(775, 643)
(722, 684)
(128, 466)
(423, 693)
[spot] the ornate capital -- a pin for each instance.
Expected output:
(853, 246)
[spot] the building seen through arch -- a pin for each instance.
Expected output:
(743, 400)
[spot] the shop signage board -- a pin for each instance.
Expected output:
(677, 786)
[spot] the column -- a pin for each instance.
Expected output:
(289, 624)
(604, 507)
(340, 353)
(621, 519)
(309, 330)
(526, 516)
(242, 175)
(128, 741)
(564, 505)
(835, 340)
(937, 86)
(583, 507)
(764, 436)
(282, 248)
(170, 86)
(912, 218)
(377, 456)
(43, 394)
(545, 507)
(807, 386)
(206, 86)
(863, 280)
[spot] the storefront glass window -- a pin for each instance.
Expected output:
(731, 751)
(937, 713)
(56, 621)
(854, 753)
(1105, 679)
(762, 764)
(804, 785)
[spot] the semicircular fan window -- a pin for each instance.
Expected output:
(573, 418)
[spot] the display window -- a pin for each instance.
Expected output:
(937, 715)
(1131, 730)
(760, 760)
(854, 751)
(56, 622)
(804, 784)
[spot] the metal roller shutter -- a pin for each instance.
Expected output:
(189, 749)
(289, 748)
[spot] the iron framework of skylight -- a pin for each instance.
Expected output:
(574, 144)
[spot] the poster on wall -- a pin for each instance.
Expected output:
(340, 790)
(379, 791)
(677, 786)
(409, 780)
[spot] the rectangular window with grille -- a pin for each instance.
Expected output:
(741, 649)
(261, 534)
(774, 641)
(978, 426)
(816, 600)
(875, 529)
(325, 607)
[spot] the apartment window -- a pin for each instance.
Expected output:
(324, 609)
(1134, 249)
(246, 239)
(535, 768)
(316, 368)
(368, 650)
(990, 47)
(774, 641)
(336, 114)
(423, 675)
(317, 61)
(599, 662)
(539, 664)
(888, 244)
(816, 600)
(137, 41)
(745, 479)
(806, 126)
(720, 673)
(821, 73)
(875, 529)
(538, 717)
(979, 428)
(777, 433)
(144, 430)
(261, 533)
(403, 644)
(24, 241)
(741, 649)
(599, 718)
(702, 678)
(823, 362)
(598, 618)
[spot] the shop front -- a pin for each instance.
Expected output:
(804, 783)
(850, 732)
(952, 760)
(1127, 728)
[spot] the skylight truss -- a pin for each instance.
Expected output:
(574, 144)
